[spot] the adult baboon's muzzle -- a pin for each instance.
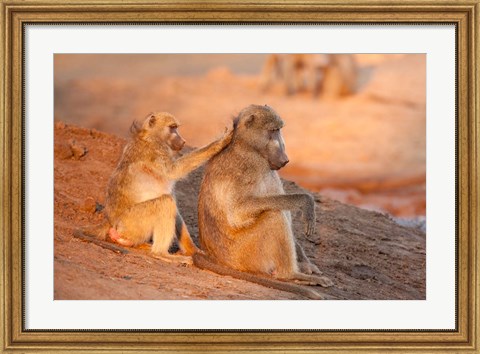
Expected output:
(279, 162)
(284, 159)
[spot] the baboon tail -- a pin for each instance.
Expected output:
(98, 234)
(99, 231)
(202, 261)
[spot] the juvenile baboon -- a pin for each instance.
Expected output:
(140, 203)
(243, 211)
(328, 75)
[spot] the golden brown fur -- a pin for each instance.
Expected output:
(244, 213)
(140, 203)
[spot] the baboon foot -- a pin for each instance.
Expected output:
(324, 282)
(190, 252)
(310, 230)
(145, 247)
(312, 280)
(313, 238)
(309, 268)
(116, 237)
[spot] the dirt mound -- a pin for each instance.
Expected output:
(365, 253)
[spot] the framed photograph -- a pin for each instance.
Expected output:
(294, 177)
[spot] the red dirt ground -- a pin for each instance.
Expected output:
(365, 253)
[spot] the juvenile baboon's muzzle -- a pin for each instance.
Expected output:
(177, 143)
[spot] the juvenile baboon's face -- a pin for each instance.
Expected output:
(174, 139)
(164, 128)
(260, 126)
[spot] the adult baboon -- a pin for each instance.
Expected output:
(243, 211)
(140, 203)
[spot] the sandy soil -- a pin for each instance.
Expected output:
(365, 253)
(367, 149)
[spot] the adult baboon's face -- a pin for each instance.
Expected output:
(260, 127)
(276, 155)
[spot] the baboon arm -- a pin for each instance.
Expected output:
(193, 160)
(256, 205)
(249, 209)
(246, 210)
(187, 163)
(301, 256)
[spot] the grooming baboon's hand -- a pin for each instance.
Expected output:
(226, 138)
(308, 214)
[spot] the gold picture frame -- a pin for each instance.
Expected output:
(464, 14)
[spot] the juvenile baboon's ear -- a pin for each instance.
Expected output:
(151, 119)
(249, 121)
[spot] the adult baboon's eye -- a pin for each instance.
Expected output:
(273, 133)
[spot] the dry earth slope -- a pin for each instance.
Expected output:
(365, 253)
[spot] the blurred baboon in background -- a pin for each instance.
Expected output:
(325, 75)
(340, 76)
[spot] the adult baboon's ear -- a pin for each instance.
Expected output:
(249, 121)
(135, 128)
(235, 121)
